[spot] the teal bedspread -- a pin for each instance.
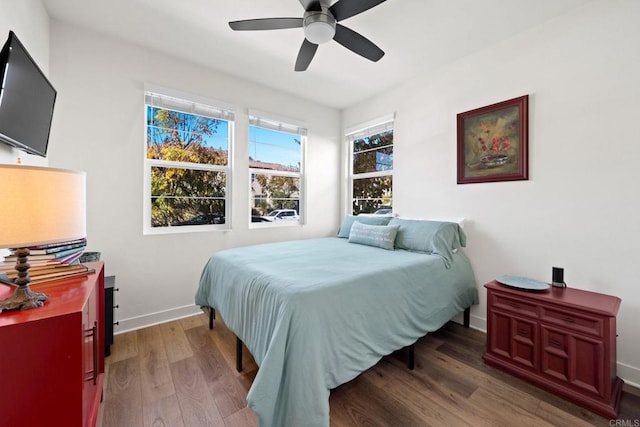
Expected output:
(315, 313)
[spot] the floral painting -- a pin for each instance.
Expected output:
(493, 142)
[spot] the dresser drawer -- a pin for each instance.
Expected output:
(587, 324)
(513, 305)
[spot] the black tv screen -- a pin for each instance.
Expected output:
(26, 100)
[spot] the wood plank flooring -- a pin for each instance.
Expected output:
(182, 374)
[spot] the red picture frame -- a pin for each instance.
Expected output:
(493, 142)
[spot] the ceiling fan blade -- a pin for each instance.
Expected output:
(344, 9)
(357, 43)
(266, 24)
(311, 5)
(307, 51)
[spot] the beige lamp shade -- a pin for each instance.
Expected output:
(41, 205)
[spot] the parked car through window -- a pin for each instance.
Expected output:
(282, 214)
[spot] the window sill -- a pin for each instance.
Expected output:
(182, 229)
(275, 224)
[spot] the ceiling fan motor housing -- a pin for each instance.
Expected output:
(319, 26)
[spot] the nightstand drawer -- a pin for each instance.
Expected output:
(574, 321)
(513, 305)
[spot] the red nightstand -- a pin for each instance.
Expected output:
(561, 339)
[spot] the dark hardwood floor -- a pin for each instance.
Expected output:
(182, 374)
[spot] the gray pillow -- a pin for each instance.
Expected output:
(380, 236)
(432, 237)
(348, 221)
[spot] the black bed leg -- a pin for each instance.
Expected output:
(411, 359)
(467, 317)
(212, 315)
(238, 355)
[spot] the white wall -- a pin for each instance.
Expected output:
(29, 20)
(99, 128)
(579, 208)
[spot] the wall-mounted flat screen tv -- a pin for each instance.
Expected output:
(26, 100)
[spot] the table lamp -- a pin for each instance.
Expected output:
(39, 205)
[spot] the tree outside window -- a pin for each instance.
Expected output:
(187, 157)
(372, 170)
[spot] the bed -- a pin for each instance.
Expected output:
(316, 313)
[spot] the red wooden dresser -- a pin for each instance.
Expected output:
(561, 339)
(52, 357)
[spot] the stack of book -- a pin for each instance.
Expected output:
(48, 262)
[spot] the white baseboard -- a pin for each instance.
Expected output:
(479, 323)
(139, 322)
(629, 374)
(475, 322)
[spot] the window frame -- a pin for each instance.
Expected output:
(285, 125)
(382, 124)
(219, 111)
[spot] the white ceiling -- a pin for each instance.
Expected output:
(418, 36)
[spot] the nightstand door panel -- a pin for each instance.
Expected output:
(588, 366)
(514, 338)
(555, 354)
(524, 336)
(573, 359)
(500, 334)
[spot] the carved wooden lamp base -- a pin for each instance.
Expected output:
(23, 298)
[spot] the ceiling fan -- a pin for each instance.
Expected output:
(320, 23)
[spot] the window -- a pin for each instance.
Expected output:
(187, 172)
(371, 167)
(276, 170)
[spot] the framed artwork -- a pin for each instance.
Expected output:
(493, 142)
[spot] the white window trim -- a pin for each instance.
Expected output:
(215, 109)
(370, 127)
(276, 122)
(225, 111)
(362, 130)
(292, 126)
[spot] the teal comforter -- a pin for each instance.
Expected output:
(316, 313)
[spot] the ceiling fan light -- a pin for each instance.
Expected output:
(319, 26)
(319, 32)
